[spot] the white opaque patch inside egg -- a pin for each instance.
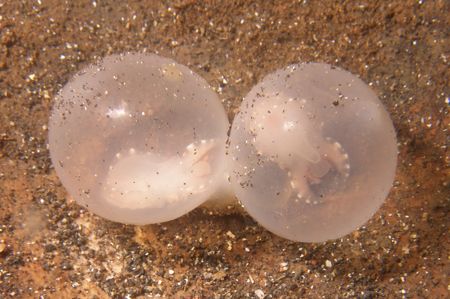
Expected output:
(138, 138)
(148, 181)
(313, 152)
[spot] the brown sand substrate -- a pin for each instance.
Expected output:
(50, 247)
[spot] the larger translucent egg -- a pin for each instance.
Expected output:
(138, 138)
(314, 152)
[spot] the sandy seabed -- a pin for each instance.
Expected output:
(50, 247)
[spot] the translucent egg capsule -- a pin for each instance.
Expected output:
(313, 152)
(138, 138)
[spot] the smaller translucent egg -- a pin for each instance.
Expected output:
(138, 138)
(313, 152)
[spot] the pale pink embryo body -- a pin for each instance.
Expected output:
(313, 152)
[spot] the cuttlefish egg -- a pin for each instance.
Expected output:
(313, 152)
(138, 138)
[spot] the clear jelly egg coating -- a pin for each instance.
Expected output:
(137, 138)
(313, 152)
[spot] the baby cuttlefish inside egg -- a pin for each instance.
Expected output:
(144, 180)
(313, 152)
(287, 137)
(138, 138)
